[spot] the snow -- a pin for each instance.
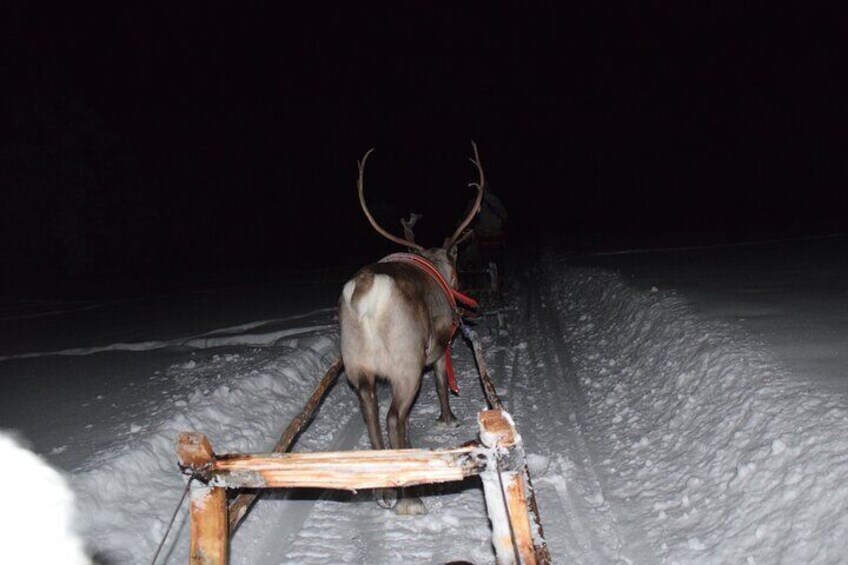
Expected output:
(698, 424)
(42, 510)
(676, 406)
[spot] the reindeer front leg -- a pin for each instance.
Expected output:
(440, 371)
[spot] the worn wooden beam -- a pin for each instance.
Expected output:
(505, 490)
(209, 537)
(346, 470)
(516, 500)
(241, 504)
(194, 450)
(497, 429)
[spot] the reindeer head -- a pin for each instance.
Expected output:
(444, 258)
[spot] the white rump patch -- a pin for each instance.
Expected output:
(348, 289)
(375, 301)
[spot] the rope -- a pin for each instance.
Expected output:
(174, 517)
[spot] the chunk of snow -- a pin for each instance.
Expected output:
(537, 464)
(695, 544)
(38, 525)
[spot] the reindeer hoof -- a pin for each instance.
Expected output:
(386, 498)
(410, 506)
(449, 422)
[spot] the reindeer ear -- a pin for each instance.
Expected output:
(453, 253)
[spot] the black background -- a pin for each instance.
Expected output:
(159, 146)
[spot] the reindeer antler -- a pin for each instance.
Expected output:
(374, 224)
(480, 185)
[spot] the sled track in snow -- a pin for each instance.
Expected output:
(279, 518)
(581, 524)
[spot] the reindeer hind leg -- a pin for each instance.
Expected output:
(397, 422)
(366, 390)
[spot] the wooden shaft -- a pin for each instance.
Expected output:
(241, 504)
(489, 390)
(209, 537)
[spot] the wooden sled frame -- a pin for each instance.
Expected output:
(498, 458)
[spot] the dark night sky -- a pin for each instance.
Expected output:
(164, 146)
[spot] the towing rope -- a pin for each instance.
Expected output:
(174, 517)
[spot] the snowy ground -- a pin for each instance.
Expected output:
(684, 406)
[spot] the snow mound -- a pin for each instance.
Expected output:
(710, 447)
(127, 496)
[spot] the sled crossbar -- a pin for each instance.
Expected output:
(338, 470)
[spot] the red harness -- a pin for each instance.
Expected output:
(452, 295)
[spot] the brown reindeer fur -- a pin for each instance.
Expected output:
(395, 321)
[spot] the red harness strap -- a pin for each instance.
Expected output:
(452, 295)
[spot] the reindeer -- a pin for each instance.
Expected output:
(397, 317)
